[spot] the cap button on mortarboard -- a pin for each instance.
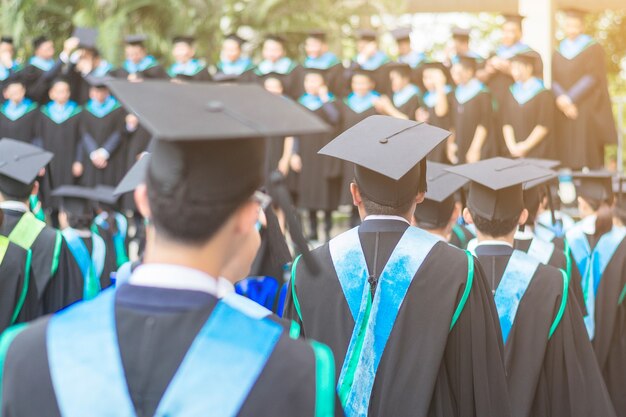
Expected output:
(383, 140)
(215, 106)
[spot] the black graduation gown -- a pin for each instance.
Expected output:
(538, 111)
(62, 139)
(202, 74)
(467, 117)
(445, 122)
(57, 291)
(154, 72)
(247, 76)
(12, 285)
(105, 278)
(609, 342)
(320, 177)
(151, 356)
(380, 76)
(104, 130)
(581, 141)
(38, 81)
(137, 142)
(291, 80)
(426, 369)
(555, 376)
(410, 107)
(23, 128)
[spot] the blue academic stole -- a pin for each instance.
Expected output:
(508, 52)
(465, 93)
(91, 264)
(322, 62)
(43, 64)
(189, 68)
(216, 375)
(101, 110)
(359, 104)
(5, 72)
(375, 61)
(515, 280)
(119, 238)
(237, 67)
(592, 263)
(524, 93)
(430, 98)
(374, 318)
(401, 97)
(60, 114)
(14, 112)
(145, 64)
(571, 49)
(541, 250)
(102, 69)
(283, 66)
(413, 59)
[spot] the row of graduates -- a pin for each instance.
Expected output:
(496, 334)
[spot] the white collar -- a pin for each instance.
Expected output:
(527, 234)
(180, 278)
(494, 243)
(588, 224)
(14, 205)
(385, 217)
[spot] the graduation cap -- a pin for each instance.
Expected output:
(496, 187)
(369, 35)
(188, 39)
(88, 37)
(594, 185)
(135, 176)
(460, 33)
(105, 195)
(387, 154)
(6, 39)
(20, 164)
(514, 18)
(77, 200)
(135, 40)
(402, 68)
(436, 209)
(401, 34)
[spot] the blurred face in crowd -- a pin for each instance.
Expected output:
(231, 50)
(511, 33)
(573, 26)
(361, 84)
(314, 47)
(273, 50)
(274, 86)
(366, 47)
(135, 53)
(461, 74)
(404, 47)
(312, 83)
(461, 45)
(398, 81)
(430, 77)
(6, 48)
(521, 71)
(60, 92)
(98, 94)
(183, 52)
(14, 92)
(45, 50)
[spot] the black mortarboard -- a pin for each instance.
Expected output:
(77, 200)
(387, 152)
(188, 39)
(468, 62)
(137, 39)
(514, 17)
(236, 38)
(317, 34)
(594, 185)
(105, 195)
(20, 164)
(496, 187)
(436, 210)
(88, 37)
(38, 41)
(369, 35)
(528, 57)
(619, 190)
(402, 68)
(6, 39)
(535, 191)
(401, 34)
(461, 33)
(575, 12)
(541, 162)
(135, 176)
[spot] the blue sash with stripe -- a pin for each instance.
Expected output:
(515, 280)
(91, 264)
(592, 263)
(393, 285)
(214, 378)
(541, 250)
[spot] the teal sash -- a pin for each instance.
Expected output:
(374, 319)
(312, 102)
(91, 265)
(430, 98)
(592, 264)
(465, 93)
(571, 49)
(524, 94)
(508, 52)
(515, 280)
(14, 112)
(103, 109)
(322, 62)
(359, 104)
(283, 66)
(540, 250)
(375, 61)
(189, 68)
(119, 238)
(413, 59)
(43, 64)
(145, 64)
(60, 114)
(401, 97)
(237, 67)
(214, 378)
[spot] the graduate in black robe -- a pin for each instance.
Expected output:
(319, 57)
(139, 64)
(279, 148)
(528, 113)
(407, 55)
(51, 264)
(472, 114)
(599, 251)
(550, 365)
(186, 67)
(584, 122)
(137, 140)
(101, 126)
(9, 67)
(274, 61)
(320, 176)
(406, 96)
(437, 350)
(437, 105)
(370, 58)
(232, 65)
(90, 63)
(42, 68)
(58, 132)
(18, 115)
(256, 370)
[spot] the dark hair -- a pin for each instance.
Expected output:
(618, 212)
(1, 217)
(372, 208)
(604, 216)
(79, 222)
(495, 227)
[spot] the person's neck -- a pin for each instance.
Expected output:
(442, 233)
(509, 238)
(60, 103)
(184, 61)
(204, 259)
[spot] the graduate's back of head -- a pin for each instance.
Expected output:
(373, 208)
(497, 227)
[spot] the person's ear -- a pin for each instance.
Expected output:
(356, 194)
(467, 216)
(246, 217)
(142, 202)
(419, 199)
(35, 190)
(523, 217)
(456, 212)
